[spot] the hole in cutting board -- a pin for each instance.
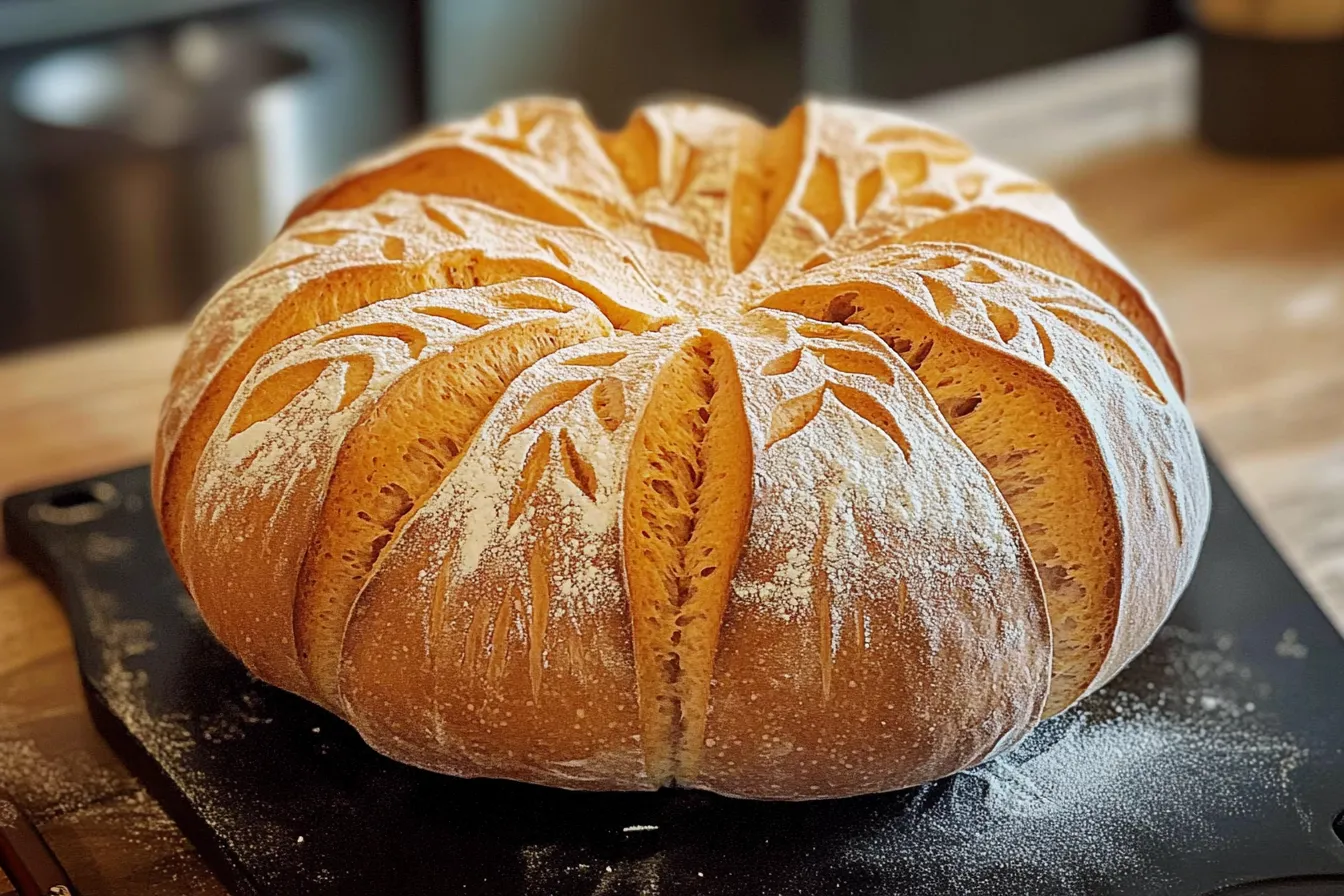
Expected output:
(1338, 825)
(66, 500)
(77, 504)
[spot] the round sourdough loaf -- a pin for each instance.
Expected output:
(783, 462)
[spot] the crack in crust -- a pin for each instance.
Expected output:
(599, 354)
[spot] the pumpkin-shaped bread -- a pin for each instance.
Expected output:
(783, 462)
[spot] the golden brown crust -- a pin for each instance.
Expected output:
(784, 462)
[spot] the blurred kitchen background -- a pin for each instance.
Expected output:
(150, 147)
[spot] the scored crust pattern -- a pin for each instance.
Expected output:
(789, 462)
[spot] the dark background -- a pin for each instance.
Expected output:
(149, 147)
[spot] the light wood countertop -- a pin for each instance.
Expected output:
(1246, 258)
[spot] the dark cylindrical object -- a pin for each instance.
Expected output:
(25, 857)
(143, 189)
(1267, 96)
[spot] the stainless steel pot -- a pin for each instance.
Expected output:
(144, 184)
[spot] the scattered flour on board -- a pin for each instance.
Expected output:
(547, 871)
(164, 735)
(1092, 790)
(1289, 646)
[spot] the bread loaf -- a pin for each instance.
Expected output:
(784, 462)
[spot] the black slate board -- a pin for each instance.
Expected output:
(1216, 759)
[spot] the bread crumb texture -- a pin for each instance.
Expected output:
(787, 462)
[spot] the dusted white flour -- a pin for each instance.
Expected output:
(1112, 784)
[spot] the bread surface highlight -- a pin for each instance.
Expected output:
(786, 462)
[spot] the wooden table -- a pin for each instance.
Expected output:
(1246, 258)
